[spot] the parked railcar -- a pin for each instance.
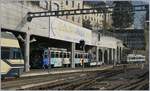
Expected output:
(135, 58)
(62, 58)
(58, 58)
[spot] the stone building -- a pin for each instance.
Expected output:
(91, 21)
(66, 5)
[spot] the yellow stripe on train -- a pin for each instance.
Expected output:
(9, 43)
(16, 61)
(4, 67)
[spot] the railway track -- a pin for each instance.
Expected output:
(136, 84)
(80, 81)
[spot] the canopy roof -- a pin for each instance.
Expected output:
(109, 42)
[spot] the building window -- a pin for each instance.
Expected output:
(36, 3)
(61, 4)
(72, 18)
(78, 5)
(72, 4)
(66, 2)
(85, 17)
(79, 20)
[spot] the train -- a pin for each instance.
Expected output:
(12, 63)
(135, 58)
(62, 58)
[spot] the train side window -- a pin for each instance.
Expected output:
(57, 55)
(79, 55)
(61, 55)
(52, 55)
(67, 55)
(76, 55)
(86, 56)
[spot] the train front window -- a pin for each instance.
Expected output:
(17, 54)
(5, 52)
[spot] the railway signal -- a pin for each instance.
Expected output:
(82, 44)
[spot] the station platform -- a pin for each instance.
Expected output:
(37, 72)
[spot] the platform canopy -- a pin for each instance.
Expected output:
(109, 42)
(67, 31)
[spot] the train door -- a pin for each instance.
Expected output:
(57, 59)
(48, 53)
(52, 61)
(66, 61)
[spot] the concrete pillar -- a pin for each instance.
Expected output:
(118, 54)
(72, 55)
(112, 55)
(115, 56)
(97, 55)
(27, 52)
(108, 53)
(103, 56)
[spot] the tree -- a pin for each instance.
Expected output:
(122, 14)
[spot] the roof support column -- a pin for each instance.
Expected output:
(103, 56)
(118, 54)
(112, 55)
(72, 55)
(97, 55)
(27, 52)
(108, 57)
(115, 56)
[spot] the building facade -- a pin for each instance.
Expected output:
(95, 20)
(66, 5)
(134, 39)
(91, 21)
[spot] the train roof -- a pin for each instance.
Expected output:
(7, 35)
(9, 40)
